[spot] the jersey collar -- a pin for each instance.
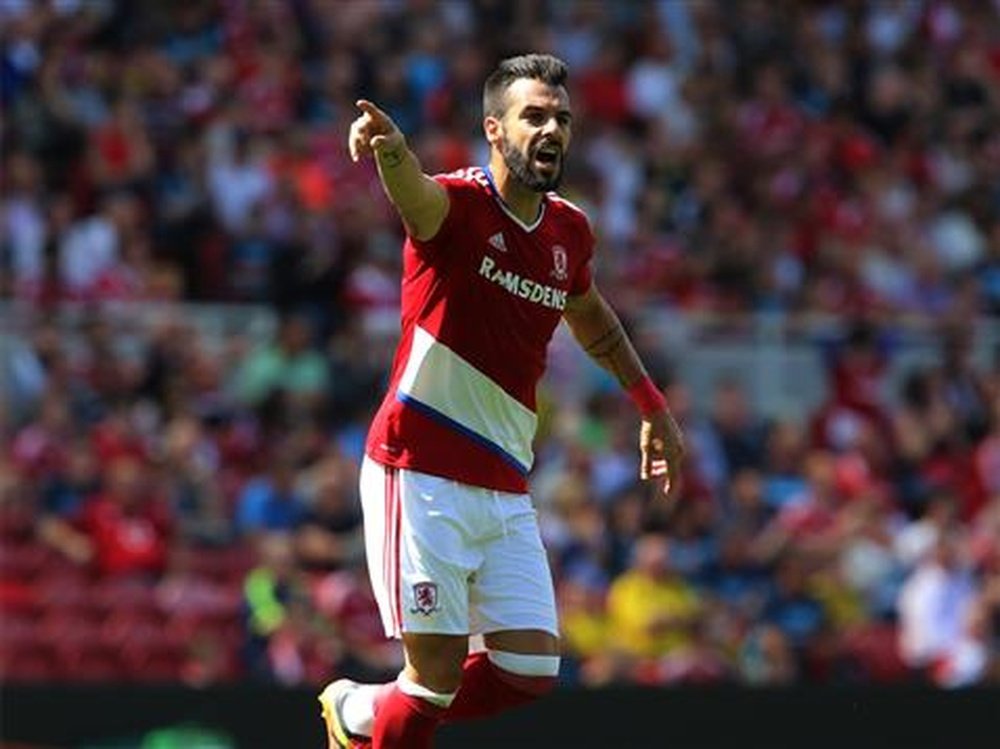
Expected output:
(506, 209)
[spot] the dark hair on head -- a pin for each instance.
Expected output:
(539, 67)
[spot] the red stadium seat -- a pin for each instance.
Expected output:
(66, 630)
(16, 626)
(153, 658)
(220, 624)
(875, 650)
(17, 522)
(17, 597)
(134, 596)
(90, 660)
(23, 653)
(28, 660)
(22, 561)
(70, 598)
(128, 625)
(225, 565)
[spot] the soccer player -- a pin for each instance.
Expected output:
(493, 260)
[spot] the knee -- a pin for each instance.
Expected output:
(443, 677)
(436, 668)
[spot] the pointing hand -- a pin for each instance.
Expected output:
(372, 132)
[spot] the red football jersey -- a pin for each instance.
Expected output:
(480, 302)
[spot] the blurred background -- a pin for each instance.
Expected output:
(798, 212)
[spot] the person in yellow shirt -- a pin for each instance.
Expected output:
(651, 608)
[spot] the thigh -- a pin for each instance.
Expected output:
(512, 590)
(418, 551)
(526, 641)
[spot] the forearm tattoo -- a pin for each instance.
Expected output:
(606, 342)
(390, 159)
(605, 348)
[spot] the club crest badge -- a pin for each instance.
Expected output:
(559, 263)
(425, 599)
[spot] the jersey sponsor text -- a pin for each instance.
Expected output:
(524, 288)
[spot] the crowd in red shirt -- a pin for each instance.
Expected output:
(177, 498)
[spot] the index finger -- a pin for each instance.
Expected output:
(671, 481)
(371, 110)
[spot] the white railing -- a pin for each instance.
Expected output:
(778, 358)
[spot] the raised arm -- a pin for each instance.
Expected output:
(421, 202)
(599, 331)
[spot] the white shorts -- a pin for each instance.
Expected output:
(449, 558)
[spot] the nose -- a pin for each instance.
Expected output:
(551, 126)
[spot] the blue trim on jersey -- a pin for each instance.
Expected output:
(489, 178)
(447, 421)
(503, 203)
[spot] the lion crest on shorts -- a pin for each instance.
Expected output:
(425, 598)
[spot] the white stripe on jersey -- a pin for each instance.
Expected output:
(438, 381)
(568, 203)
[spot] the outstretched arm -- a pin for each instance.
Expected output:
(421, 202)
(599, 331)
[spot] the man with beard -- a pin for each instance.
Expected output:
(492, 261)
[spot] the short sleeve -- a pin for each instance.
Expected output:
(584, 275)
(456, 189)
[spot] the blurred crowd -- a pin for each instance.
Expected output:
(179, 504)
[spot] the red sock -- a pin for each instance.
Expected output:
(487, 690)
(403, 721)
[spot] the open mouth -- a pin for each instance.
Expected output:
(548, 154)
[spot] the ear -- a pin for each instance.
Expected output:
(493, 129)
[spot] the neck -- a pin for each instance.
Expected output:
(521, 201)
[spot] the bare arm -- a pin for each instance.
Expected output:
(421, 202)
(598, 330)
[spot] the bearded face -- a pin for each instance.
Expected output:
(538, 167)
(533, 133)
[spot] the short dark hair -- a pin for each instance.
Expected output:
(539, 67)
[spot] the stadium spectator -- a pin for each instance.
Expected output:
(791, 606)
(831, 166)
(651, 607)
(127, 523)
(937, 607)
(289, 374)
(275, 613)
(329, 535)
(271, 503)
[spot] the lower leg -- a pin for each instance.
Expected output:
(407, 715)
(494, 681)
(491, 681)
(408, 712)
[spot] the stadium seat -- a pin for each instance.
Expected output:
(73, 598)
(90, 660)
(155, 659)
(17, 522)
(224, 565)
(874, 650)
(134, 625)
(17, 597)
(21, 560)
(16, 626)
(68, 629)
(137, 597)
(30, 660)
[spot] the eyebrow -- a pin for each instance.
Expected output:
(532, 108)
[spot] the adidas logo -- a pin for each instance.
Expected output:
(497, 242)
